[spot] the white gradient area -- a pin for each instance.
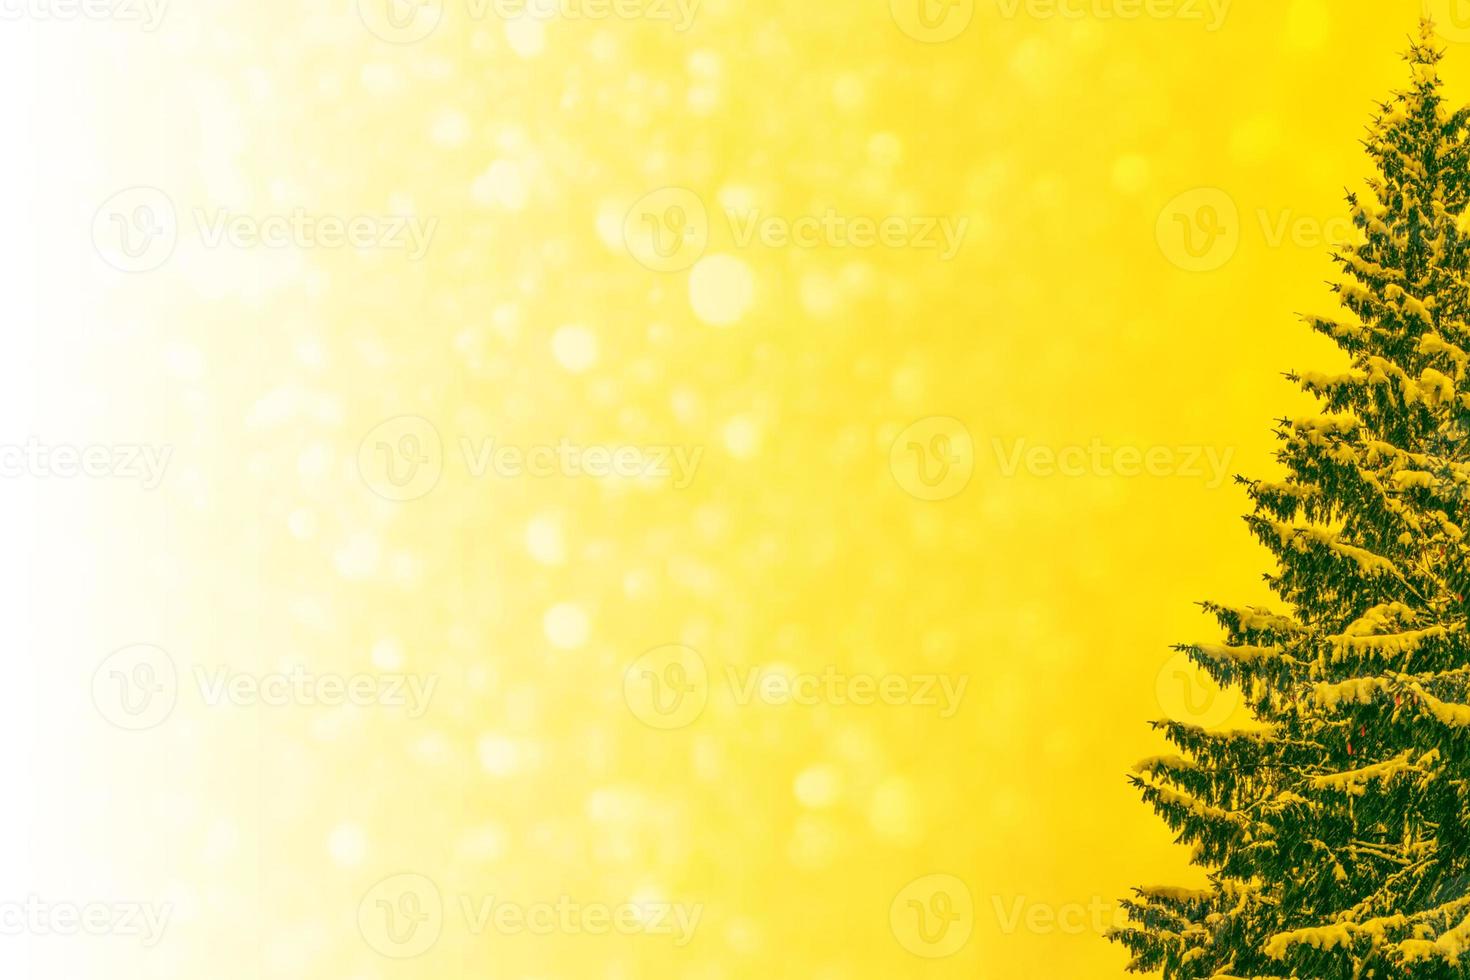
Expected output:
(22, 748)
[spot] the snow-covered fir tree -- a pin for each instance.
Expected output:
(1336, 832)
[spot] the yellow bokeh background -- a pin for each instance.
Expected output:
(1148, 195)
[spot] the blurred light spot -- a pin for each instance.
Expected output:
(544, 540)
(359, 557)
(637, 584)
(610, 219)
(222, 841)
(849, 93)
(1131, 173)
(818, 787)
(487, 842)
(894, 813)
(302, 524)
(820, 294)
(566, 626)
(744, 936)
(704, 88)
(315, 463)
(743, 437)
(814, 843)
(686, 406)
(380, 79)
(347, 844)
(705, 63)
(575, 348)
(506, 319)
(526, 35)
(185, 361)
(721, 289)
(1032, 62)
(501, 184)
(451, 129)
(498, 755)
(387, 654)
(885, 149)
(433, 748)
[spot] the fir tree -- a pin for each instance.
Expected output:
(1336, 831)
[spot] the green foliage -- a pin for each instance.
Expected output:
(1336, 834)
